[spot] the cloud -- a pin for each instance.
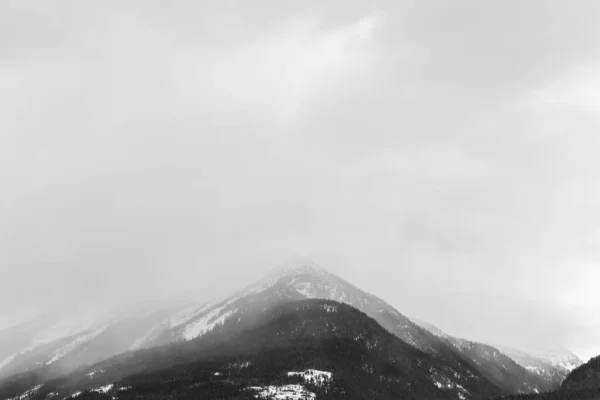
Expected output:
(149, 152)
(578, 89)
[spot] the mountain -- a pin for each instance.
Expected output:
(583, 383)
(299, 280)
(308, 280)
(584, 376)
(302, 348)
(292, 282)
(552, 365)
(63, 344)
(496, 366)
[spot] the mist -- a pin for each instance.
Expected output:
(442, 157)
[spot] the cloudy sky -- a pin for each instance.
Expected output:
(442, 155)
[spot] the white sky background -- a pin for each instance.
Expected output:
(442, 156)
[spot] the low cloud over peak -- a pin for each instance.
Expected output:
(150, 152)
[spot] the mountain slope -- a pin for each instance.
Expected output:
(55, 344)
(299, 281)
(552, 365)
(276, 348)
(308, 280)
(497, 367)
(583, 383)
(292, 282)
(584, 376)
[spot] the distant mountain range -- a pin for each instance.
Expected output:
(553, 365)
(296, 315)
(583, 383)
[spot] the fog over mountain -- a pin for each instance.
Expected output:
(442, 156)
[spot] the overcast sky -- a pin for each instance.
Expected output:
(442, 155)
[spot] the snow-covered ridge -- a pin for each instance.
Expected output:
(147, 337)
(196, 321)
(7, 360)
(66, 349)
(28, 393)
(188, 313)
(206, 323)
(61, 330)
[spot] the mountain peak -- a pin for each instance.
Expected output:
(299, 267)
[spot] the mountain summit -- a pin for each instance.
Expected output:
(298, 267)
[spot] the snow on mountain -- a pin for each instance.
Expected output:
(187, 314)
(496, 365)
(7, 360)
(56, 339)
(551, 364)
(294, 281)
(72, 341)
(148, 337)
(307, 280)
(104, 389)
(316, 377)
(65, 344)
(441, 381)
(45, 339)
(284, 392)
(558, 356)
(206, 323)
(63, 329)
(28, 393)
(72, 345)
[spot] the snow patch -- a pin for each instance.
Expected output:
(240, 365)
(28, 393)
(442, 382)
(534, 369)
(206, 323)
(7, 360)
(313, 376)
(569, 365)
(285, 392)
(306, 291)
(152, 333)
(104, 389)
(330, 308)
(98, 371)
(61, 330)
(188, 313)
(66, 349)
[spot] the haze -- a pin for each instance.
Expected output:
(441, 155)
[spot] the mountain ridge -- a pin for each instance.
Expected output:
(288, 282)
(301, 335)
(495, 365)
